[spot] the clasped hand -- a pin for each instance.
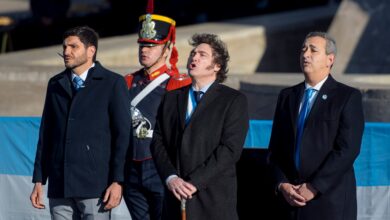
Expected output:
(297, 195)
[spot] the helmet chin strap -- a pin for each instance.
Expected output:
(147, 68)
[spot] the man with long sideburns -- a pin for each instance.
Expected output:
(199, 137)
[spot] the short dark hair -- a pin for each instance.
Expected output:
(219, 50)
(87, 35)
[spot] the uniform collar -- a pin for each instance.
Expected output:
(156, 73)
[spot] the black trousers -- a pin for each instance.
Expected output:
(143, 191)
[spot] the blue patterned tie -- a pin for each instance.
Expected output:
(305, 109)
(78, 83)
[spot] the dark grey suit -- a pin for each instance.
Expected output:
(330, 144)
(204, 152)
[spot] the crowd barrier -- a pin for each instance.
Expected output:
(19, 135)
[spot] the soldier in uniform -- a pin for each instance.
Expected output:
(144, 189)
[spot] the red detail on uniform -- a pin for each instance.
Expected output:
(158, 72)
(150, 7)
(129, 80)
(170, 37)
(148, 158)
(173, 60)
(129, 77)
(176, 80)
(174, 54)
(172, 32)
(144, 40)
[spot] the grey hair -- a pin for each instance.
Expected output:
(330, 42)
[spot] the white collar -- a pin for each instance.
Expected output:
(84, 75)
(318, 86)
(204, 88)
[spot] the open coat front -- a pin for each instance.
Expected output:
(203, 152)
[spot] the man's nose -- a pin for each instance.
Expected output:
(66, 50)
(195, 57)
(306, 53)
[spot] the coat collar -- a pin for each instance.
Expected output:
(324, 95)
(156, 73)
(182, 102)
(94, 73)
(321, 99)
(65, 82)
(211, 94)
(294, 102)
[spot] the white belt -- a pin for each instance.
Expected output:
(149, 88)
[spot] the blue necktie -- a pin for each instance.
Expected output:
(195, 97)
(305, 109)
(78, 83)
(198, 95)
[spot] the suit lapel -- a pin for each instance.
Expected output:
(322, 98)
(295, 100)
(182, 100)
(93, 76)
(65, 83)
(206, 100)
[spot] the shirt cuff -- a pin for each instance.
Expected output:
(169, 178)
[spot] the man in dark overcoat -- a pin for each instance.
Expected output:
(84, 134)
(199, 136)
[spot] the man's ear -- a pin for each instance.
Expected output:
(216, 67)
(91, 50)
(330, 60)
(167, 50)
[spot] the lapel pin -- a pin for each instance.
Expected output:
(324, 97)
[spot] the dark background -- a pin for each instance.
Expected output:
(121, 16)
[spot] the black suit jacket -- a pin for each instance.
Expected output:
(203, 152)
(83, 136)
(330, 144)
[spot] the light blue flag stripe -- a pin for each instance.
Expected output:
(19, 136)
